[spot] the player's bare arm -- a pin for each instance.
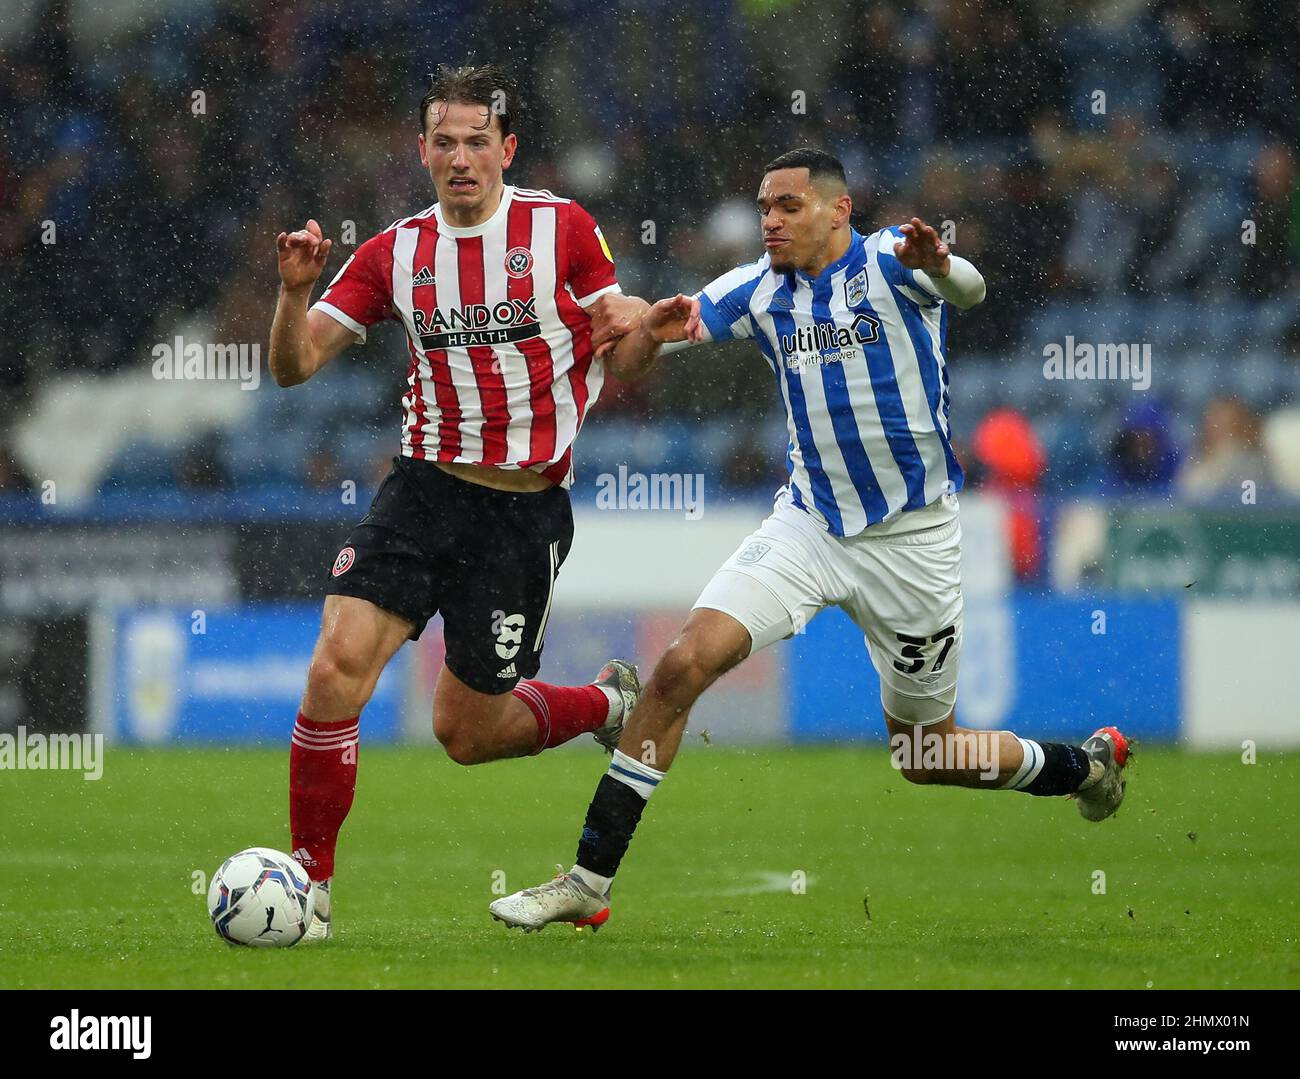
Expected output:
(613, 317)
(805, 209)
(302, 341)
(952, 277)
(673, 319)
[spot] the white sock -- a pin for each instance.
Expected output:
(1029, 767)
(640, 777)
(615, 702)
(594, 881)
(322, 888)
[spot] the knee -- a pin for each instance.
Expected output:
(462, 751)
(920, 776)
(683, 673)
(907, 753)
(336, 669)
(456, 740)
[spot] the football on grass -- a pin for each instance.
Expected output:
(261, 898)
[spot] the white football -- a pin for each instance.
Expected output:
(262, 898)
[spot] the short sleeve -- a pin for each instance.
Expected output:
(361, 293)
(724, 303)
(591, 266)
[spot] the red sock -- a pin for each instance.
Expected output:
(563, 712)
(322, 781)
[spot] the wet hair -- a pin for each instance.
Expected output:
(484, 84)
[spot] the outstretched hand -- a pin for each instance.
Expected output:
(613, 317)
(921, 249)
(302, 255)
(676, 318)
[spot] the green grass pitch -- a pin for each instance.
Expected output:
(964, 889)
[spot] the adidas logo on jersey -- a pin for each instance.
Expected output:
(424, 277)
(508, 672)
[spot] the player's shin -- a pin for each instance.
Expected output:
(322, 783)
(1047, 768)
(564, 712)
(612, 818)
(949, 755)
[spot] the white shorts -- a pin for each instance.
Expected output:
(900, 582)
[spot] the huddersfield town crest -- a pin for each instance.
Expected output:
(855, 289)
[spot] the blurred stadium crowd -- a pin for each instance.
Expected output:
(1102, 164)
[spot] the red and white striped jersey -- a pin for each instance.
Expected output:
(501, 367)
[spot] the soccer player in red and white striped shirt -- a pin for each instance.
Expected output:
(493, 285)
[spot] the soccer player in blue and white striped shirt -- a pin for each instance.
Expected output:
(853, 328)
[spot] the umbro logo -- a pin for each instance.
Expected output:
(424, 277)
(508, 672)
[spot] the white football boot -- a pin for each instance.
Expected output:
(321, 927)
(1103, 790)
(563, 899)
(621, 677)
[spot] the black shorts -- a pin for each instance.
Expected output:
(486, 559)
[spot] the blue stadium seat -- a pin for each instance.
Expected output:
(1257, 377)
(141, 465)
(267, 455)
(1196, 378)
(1272, 319)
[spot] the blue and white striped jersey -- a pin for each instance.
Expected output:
(858, 354)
